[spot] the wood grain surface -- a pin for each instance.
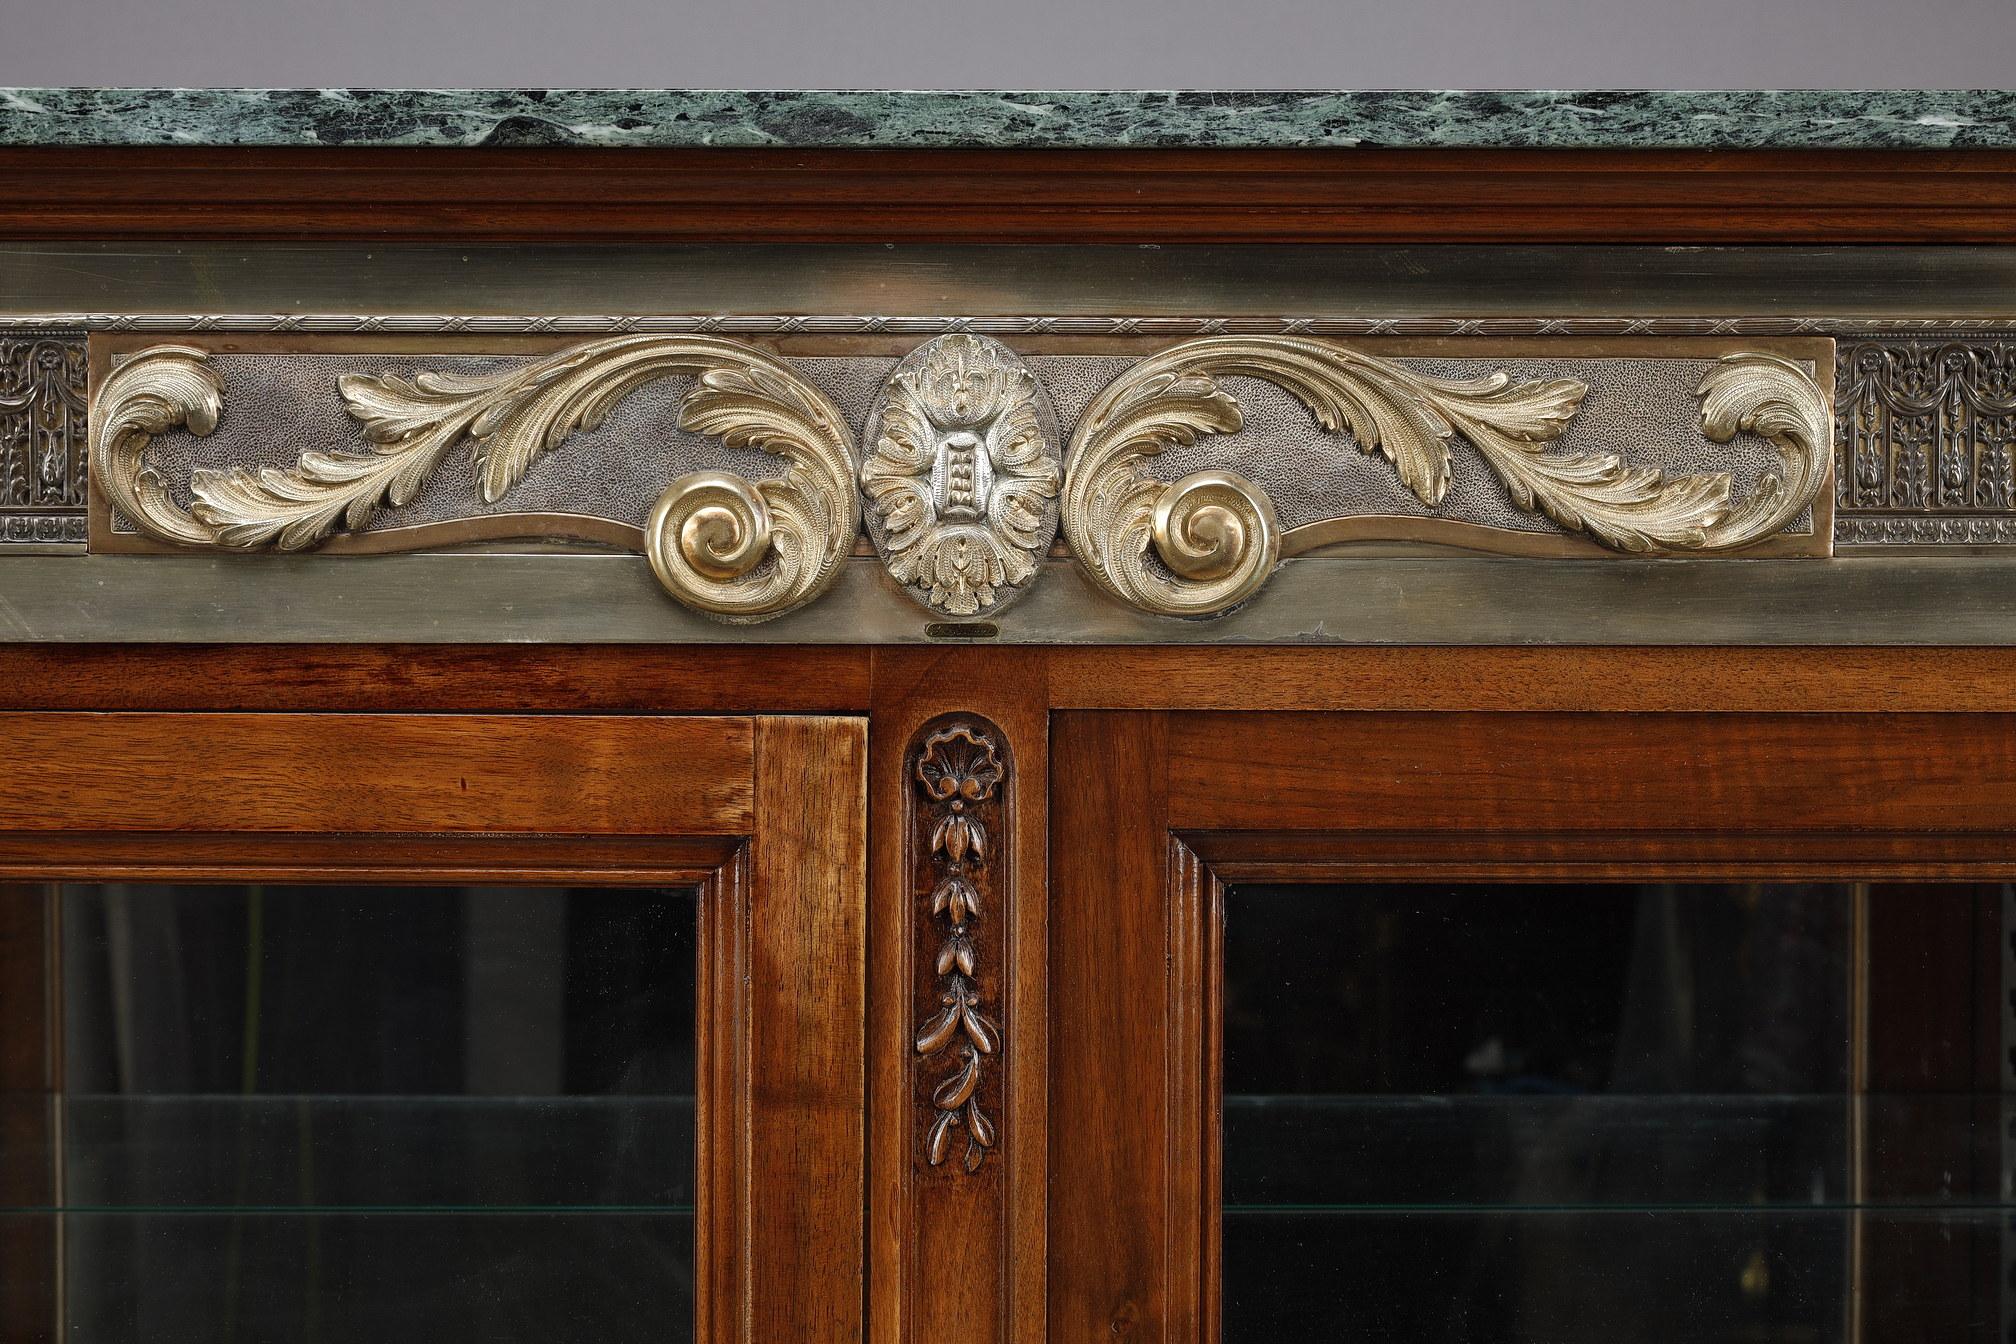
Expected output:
(377, 772)
(1011, 195)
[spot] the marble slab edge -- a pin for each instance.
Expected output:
(1100, 119)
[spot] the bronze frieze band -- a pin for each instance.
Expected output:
(1179, 473)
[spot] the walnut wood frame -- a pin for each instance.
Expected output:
(1153, 814)
(763, 815)
(1414, 196)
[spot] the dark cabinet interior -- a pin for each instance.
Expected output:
(399, 1113)
(1605, 1111)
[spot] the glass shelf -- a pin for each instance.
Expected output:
(317, 1276)
(379, 1152)
(1596, 1149)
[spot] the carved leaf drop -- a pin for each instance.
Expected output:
(957, 769)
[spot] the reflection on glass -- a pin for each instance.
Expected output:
(1537, 1114)
(378, 1113)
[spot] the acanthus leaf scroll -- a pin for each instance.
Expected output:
(1214, 538)
(737, 550)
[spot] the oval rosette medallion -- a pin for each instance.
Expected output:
(962, 474)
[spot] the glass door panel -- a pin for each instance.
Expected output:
(1562, 1113)
(377, 1113)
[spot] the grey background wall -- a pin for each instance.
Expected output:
(1661, 44)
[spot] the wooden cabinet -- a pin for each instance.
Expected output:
(1046, 995)
(859, 740)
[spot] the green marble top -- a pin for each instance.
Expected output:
(1249, 119)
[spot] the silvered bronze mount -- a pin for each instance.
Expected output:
(962, 474)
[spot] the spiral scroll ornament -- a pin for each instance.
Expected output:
(162, 388)
(1773, 397)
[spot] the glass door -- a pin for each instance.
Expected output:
(486, 1028)
(1532, 1028)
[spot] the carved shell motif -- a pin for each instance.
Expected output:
(962, 474)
